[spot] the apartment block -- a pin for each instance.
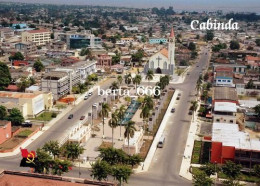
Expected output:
(39, 37)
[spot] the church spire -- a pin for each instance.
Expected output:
(172, 33)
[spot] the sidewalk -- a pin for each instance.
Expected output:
(148, 160)
(186, 160)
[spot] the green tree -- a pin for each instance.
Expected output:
(100, 170)
(113, 123)
(210, 169)
(129, 132)
(145, 113)
(257, 170)
(60, 166)
(119, 79)
(137, 57)
(121, 173)
(3, 112)
(15, 116)
(128, 78)
(23, 84)
(257, 110)
(116, 59)
(234, 45)
(149, 75)
(206, 77)
(250, 84)
(17, 56)
(137, 80)
(201, 179)
(194, 106)
(81, 88)
(5, 76)
(257, 41)
(114, 86)
(120, 114)
(209, 36)
(148, 102)
(113, 156)
(104, 113)
(44, 160)
(53, 148)
(134, 160)
(192, 46)
(73, 150)
(38, 66)
(31, 81)
(231, 170)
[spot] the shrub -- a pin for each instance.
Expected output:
(54, 115)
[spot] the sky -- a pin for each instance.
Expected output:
(197, 5)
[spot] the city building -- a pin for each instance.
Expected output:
(59, 82)
(79, 40)
(104, 60)
(229, 143)
(163, 62)
(225, 112)
(225, 94)
(158, 40)
(5, 130)
(20, 63)
(26, 48)
(6, 32)
(30, 104)
(39, 37)
(224, 78)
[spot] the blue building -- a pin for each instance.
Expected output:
(19, 25)
(157, 40)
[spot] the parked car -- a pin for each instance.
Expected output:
(95, 104)
(161, 142)
(70, 116)
(179, 94)
(178, 98)
(188, 73)
(90, 93)
(26, 123)
(86, 97)
(173, 110)
(197, 65)
(190, 112)
(82, 117)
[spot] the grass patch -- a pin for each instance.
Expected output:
(24, 133)
(46, 116)
(105, 145)
(196, 152)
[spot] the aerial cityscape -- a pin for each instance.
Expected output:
(129, 93)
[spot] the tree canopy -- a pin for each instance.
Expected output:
(5, 76)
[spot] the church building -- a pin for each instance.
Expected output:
(163, 61)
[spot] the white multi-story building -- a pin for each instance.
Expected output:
(39, 37)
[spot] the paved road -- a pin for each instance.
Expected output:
(56, 130)
(165, 167)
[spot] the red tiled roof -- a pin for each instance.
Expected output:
(252, 58)
(164, 52)
(172, 33)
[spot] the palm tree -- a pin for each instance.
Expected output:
(128, 78)
(113, 123)
(120, 114)
(148, 101)
(149, 75)
(114, 86)
(145, 114)
(194, 106)
(137, 80)
(129, 132)
(119, 79)
(104, 113)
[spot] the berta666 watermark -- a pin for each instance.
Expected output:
(140, 91)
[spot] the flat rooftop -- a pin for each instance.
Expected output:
(225, 93)
(5, 94)
(225, 107)
(3, 122)
(55, 75)
(230, 135)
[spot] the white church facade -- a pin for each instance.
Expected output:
(163, 61)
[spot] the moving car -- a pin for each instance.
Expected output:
(161, 142)
(70, 116)
(173, 110)
(82, 117)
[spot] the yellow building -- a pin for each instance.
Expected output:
(30, 104)
(39, 37)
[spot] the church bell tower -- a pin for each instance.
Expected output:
(171, 51)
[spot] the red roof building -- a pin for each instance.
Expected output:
(20, 63)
